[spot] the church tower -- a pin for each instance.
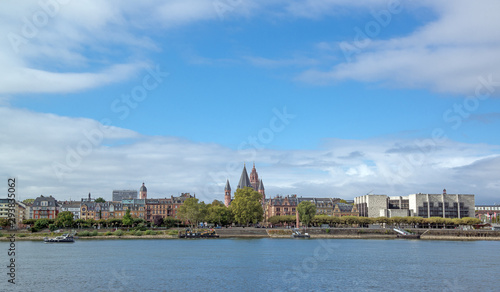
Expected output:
(143, 192)
(254, 178)
(227, 194)
(244, 180)
(262, 191)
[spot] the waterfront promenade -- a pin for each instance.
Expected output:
(251, 232)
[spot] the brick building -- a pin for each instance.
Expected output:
(45, 207)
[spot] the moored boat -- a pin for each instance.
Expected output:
(296, 234)
(405, 234)
(65, 238)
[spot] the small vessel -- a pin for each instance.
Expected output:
(296, 234)
(405, 234)
(61, 238)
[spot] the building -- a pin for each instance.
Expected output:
(370, 205)
(119, 195)
(282, 206)
(246, 181)
(137, 207)
(164, 208)
(487, 213)
(45, 207)
(227, 194)
(4, 208)
(422, 205)
(343, 209)
(21, 214)
(143, 192)
(71, 206)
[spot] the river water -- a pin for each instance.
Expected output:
(254, 265)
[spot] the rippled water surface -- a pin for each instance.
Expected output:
(253, 265)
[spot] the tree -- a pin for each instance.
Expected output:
(41, 224)
(218, 213)
(100, 200)
(4, 222)
(246, 206)
(127, 219)
(157, 220)
(28, 201)
(115, 222)
(64, 219)
(171, 222)
(192, 211)
(29, 221)
(307, 211)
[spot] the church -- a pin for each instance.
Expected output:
(245, 181)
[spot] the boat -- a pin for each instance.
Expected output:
(67, 237)
(405, 234)
(205, 234)
(296, 234)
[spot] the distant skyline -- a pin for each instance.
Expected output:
(329, 98)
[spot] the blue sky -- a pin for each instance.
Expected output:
(384, 96)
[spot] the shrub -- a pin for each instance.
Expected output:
(1, 234)
(280, 232)
(138, 233)
(22, 235)
(108, 233)
(52, 227)
(327, 230)
(148, 232)
(84, 233)
(173, 232)
(118, 232)
(94, 233)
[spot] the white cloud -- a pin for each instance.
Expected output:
(69, 157)
(446, 55)
(48, 45)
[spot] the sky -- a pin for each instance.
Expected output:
(329, 98)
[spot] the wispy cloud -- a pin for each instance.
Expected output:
(446, 55)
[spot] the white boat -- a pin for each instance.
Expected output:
(296, 234)
(68, 238)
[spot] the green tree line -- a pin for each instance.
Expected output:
(348, 221)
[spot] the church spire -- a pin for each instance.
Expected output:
(227, 194)
(244, 180)
(254, 178)
(262, 191)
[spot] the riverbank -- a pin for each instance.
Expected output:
(333, 233)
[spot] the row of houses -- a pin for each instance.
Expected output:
(287, 205)
(47, 207)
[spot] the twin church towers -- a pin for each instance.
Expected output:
(245, 181)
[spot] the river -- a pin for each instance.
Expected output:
(253, 265)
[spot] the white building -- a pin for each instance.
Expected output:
(72, 206)
(422, 205)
